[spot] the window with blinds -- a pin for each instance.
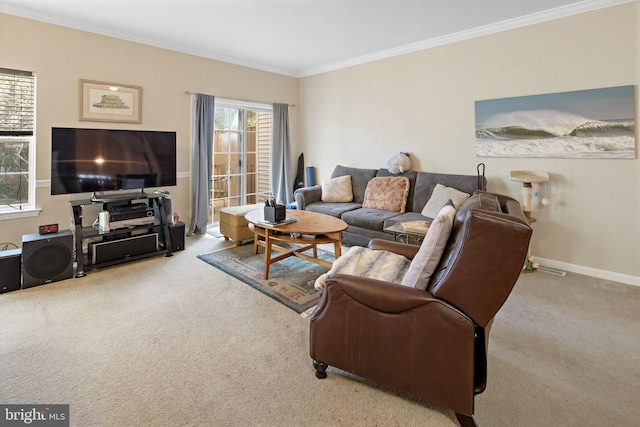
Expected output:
(17, 117)
(16, 102)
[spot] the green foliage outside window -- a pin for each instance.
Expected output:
(17, 115)
(14, 175)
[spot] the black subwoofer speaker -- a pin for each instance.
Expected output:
(46, 258)
(10, 270)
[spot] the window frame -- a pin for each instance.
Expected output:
(18, 210)
(243, 133)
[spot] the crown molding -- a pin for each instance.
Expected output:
(24, 12)
(510, 24)
(532, 19)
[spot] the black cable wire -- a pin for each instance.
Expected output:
(5, 246)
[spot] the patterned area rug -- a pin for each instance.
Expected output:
(290, 280)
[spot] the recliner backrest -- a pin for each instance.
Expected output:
(484, 256)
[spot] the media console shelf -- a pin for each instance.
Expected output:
(123, 244)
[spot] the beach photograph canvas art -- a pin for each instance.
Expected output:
(593, 123)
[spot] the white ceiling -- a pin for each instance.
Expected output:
(297, 37)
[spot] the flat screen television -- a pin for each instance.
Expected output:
(99, 160)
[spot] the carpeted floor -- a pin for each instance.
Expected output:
(173, 341)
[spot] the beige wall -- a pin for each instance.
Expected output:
(423, 103)
(61, 57)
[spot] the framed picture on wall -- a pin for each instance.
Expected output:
(110, 102)
(584, 124)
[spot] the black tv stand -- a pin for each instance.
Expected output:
(121, 244)
(112, 198)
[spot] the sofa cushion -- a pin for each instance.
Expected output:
(359, 179)
(333, 209)
(387, 193)
(431, 249)
(371, 219)
(441, 194)
(426, 182)
(337, 190)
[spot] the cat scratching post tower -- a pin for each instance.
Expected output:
(528, 178)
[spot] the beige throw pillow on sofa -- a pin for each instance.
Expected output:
(428, 257)
(440, 196)
(337, 190)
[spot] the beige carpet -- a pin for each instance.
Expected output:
(172, 341)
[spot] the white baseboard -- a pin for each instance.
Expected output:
(588, 271)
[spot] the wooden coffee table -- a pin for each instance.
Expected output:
(309, 230)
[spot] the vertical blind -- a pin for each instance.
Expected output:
(16, 102)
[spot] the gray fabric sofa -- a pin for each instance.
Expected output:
(365, 224)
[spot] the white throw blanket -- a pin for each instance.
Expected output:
(365, 262)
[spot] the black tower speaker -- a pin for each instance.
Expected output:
(10, 270)
(46, 258)
(176, 231)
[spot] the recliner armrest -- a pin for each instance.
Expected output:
(380, 296)
(408, 251)
(398, 336)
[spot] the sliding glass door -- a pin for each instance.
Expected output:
(241, 155)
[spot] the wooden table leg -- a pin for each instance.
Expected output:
(337, 244)
(267, 252)
(256, 236)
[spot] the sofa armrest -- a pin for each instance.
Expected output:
(407, 251)
(307, 195)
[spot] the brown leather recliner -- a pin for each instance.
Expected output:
(431, 344)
